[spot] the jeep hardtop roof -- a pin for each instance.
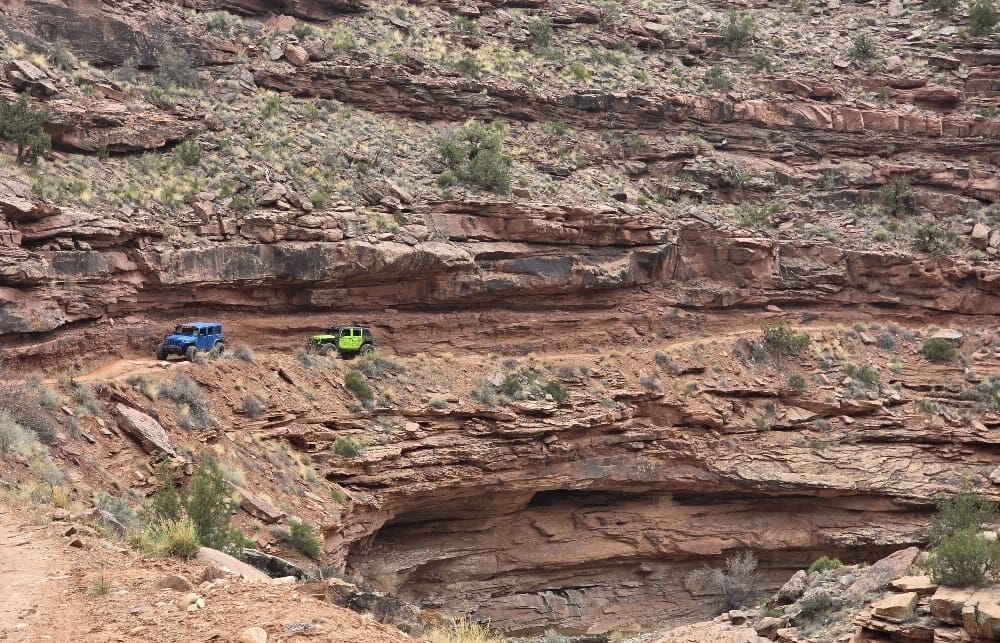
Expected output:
(201, 325)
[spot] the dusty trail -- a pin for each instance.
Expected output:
(32, 574)
(473, 346)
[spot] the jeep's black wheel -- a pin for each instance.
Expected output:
(161, 353)
(191, 353)
(367, 349)
(219, 347)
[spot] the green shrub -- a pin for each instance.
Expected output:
(175, 69)
(346, 447)
(938, 350)
(942, 6)
(356, 384)
(898, 197)
(865, 374)
(815, 604)
(469, 66)
(302, 539)
(931, 239)
(964, 558)
(738, 30)
(779, 340)
(797, 382)
(303, 30)
(210, 508)
(178, 538)
(475, 154)
(512, 385)
(864, 47)
(166, 503)
(22, 124)
(541, 31)
(375, 366)
(466, 24)
(271, 105)
(988, 392)
(556, 390)
(965, 510)
(762, 62)
(188, 152)
(243, 353)
(982, 17)
(757, 217)
(464, 631)
(824, 564)
(717, 79)
(578, 71)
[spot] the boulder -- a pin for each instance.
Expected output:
(881, 572)
(296, 55)
(146, 431)
(896, 608)
(792, 590)
(175, 582)
(947, 604)
(922, 585)
(253, 635)
(232, 565)
(980, 235)
(258, 507)
(981, 615)
(275, 566)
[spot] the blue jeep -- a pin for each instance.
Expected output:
(188, 339)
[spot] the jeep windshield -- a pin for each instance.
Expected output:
(185, 330)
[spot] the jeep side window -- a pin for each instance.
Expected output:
(203, 332)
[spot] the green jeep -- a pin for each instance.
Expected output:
(346, 340)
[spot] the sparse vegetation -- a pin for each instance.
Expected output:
(358, 386)
(188, 152)
(736, 584)
(175, 69)
(301, 538)
(346, 447)
(865, 375)
(192, 405)
(780, 340)
(210, 508)
(243, 353)
(938, 350)
(942, 6)
(475, 154)
(815, 604)
(541, 31)
(797, 382)
(961, 555)
(252, 405)
(464, 631)
(931, 238)
(898, 197)
(717, 79)
(178, 538)
(824, 564)
(864, 48)
(21, 124)
(982, 17)
(556, 391)
(100, 585)
(738, 30)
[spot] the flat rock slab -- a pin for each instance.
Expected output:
(922, 585)
(896, 608)
(232, 565)
(146, 431)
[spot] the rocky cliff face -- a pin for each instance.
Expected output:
(276, 165)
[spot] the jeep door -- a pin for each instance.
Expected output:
(350, 339)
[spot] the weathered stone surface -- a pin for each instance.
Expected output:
(793, 589)
(258, 507)
(947, 603)
(981, 614)
(146, 431)
(922, 585)
(227, 563)
(896, 608)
